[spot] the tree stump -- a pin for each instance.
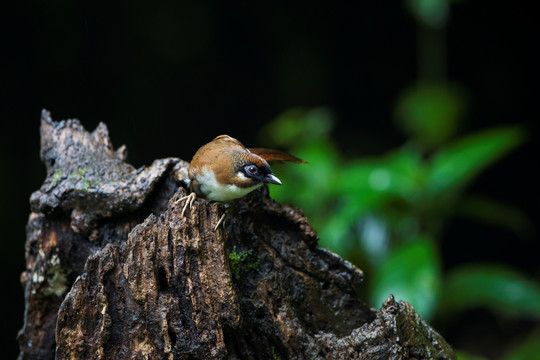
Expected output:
(114, 272)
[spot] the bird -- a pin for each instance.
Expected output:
(224, 170)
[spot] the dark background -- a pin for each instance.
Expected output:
(167, 77)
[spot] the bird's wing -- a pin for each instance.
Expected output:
(276, 155)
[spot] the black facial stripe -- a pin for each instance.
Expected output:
(258, 175)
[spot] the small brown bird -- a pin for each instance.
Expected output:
(225, 170)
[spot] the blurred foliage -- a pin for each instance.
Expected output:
(431, 114)
(386, 213)
(528, 349)
(412, 272)
(501, 289)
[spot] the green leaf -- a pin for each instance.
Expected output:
(362, 182)
(496, 287)
(298, 126)
(336, 234)
(455, 165)
(399, 173)
(430, 113)
(407, 174)
(526, 350)
(319, 174)
(411, 273)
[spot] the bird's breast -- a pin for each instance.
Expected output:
(211, 189)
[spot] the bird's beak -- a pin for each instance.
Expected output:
(272, 179)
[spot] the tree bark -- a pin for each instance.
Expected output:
(114, 272)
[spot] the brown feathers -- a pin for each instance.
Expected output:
(224, 169)
(276, 155)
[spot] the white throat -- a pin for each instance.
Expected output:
(215, 191)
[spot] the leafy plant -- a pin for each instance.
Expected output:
(387, 213)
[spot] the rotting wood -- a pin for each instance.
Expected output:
(114, 272)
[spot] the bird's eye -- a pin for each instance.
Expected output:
(251, 170)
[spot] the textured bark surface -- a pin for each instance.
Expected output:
(114, 272)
